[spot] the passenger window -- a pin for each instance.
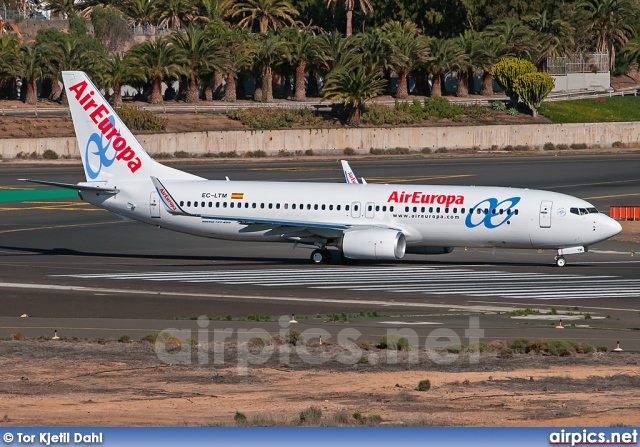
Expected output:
(406, 209)
(182, 203)
(324, 207)
(494, 211)
(384, 208)
(315, 207)
(455, 210)
(415, 209)
(277, 206)
(501, 211)
(346, 207)
(438, 210)
(210, 204)
(356, 208)
(271, 206)
(377, 207)
(189, 204)
(232, 205)
(461, 210)
(391, 208)
(516, 212)
(422, 209)
(431, 209)
(446, 210)
(370, 208)
(308, 206)
(479, 211)
(202, 204)
(246, 205)
(486, 210)
(330, 207)
(293, 206)
(338, 207)
(262, 205)
(253, 205)
(195, 204)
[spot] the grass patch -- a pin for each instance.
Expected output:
(593, 110)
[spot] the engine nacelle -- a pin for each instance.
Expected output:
(429, 250)
(374, 244)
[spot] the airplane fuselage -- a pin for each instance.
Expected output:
(427, 215)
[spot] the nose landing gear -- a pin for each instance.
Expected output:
(560, 261)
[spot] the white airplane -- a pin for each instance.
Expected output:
(381, 222)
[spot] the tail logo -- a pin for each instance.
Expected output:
(106, 125)
(97, 139)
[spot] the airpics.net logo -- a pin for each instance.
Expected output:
(592, 437)
(257, 346)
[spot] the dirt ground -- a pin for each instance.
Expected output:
(115, 384)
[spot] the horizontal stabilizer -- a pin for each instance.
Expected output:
(77, 187)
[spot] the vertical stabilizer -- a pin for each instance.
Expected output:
(108, 149)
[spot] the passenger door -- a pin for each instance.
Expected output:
(369, 210)
(355, 209)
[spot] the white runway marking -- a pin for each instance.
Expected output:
(436, 281)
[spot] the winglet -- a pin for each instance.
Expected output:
(170, 204)
(349, 175)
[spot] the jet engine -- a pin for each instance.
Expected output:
(374, 244)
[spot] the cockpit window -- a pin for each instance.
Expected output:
(583, 211)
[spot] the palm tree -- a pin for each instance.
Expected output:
(349, 5)
(632, 50)
(208, 11)
(554, 37)
(87, 6)
(515, 34)
(470, 42)
(157, 60)
(116, 72)
(172, 13)
(199, 54)
(30, 70)
(270, 49)
(446, 55)
(61, 7)
(265, 13)
(489, 51)
(353, 88)
(412, 50)
(141, 12)
(9, 45)
(304, 50)
(241, 51)
(610, 22)
(337, 52)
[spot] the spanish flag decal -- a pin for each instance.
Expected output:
(237, 195)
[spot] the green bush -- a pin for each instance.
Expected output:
(549, 147)
(124, 339)
(182, 154)
(50, 155)
(559, 348)
(498, 106)
(602, 349)
(348, 151)
(149, 338)
(426, 150)
(394, 341)
(293, 337)
(255, 154)
(439, 107)
(512, 112)
(562, 147)
(533, 88)
(578, 146)
(311, 416)
(364, 345)
(137, 119)
(424, 385)
(521, 345)
(240, 418)
(454, 349)
(267, 118)
(505, 353)
(507, 70)
(308, 152)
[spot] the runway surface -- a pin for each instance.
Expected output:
(69, 265)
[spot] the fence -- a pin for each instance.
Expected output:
(578, 63)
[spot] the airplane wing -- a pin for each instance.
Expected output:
(77, 187)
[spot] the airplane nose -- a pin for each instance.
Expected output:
(610, 228)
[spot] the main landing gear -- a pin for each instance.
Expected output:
(560, 261)
(321, 256)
